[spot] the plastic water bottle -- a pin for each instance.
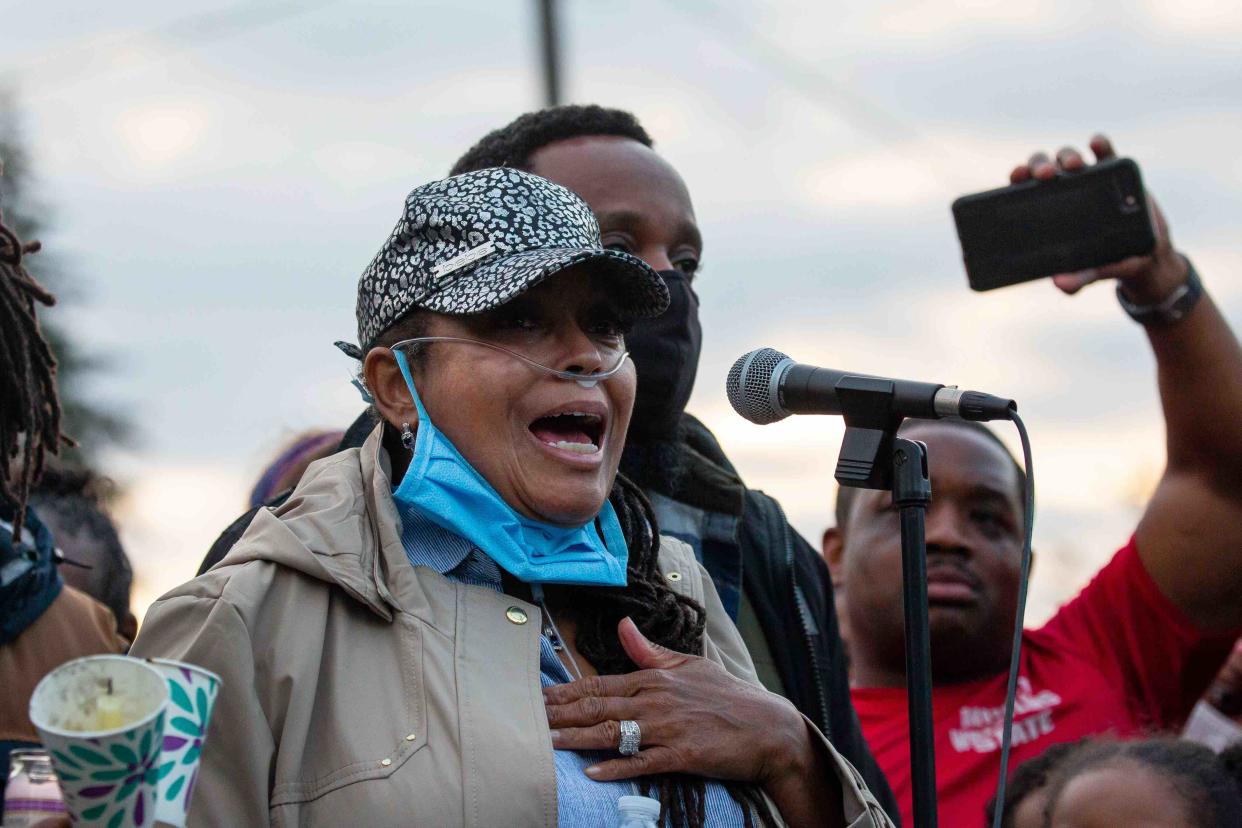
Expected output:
(638, 812)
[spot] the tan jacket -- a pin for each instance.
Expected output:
(74, 625)
(362, 691)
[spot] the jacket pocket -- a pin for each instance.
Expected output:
(368, 713)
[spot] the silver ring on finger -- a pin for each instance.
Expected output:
(631, 737)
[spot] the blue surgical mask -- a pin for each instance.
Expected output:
(443, 487)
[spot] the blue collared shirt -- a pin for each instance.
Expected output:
(580, 800)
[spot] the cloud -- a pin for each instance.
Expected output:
(169, 515)
(961, 19)
(1211, 19)
(879, 179)
(354, 164)
(157, 136)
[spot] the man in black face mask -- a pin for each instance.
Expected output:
(666, 351)
(771, 581)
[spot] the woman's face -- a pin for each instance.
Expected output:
(549, 446)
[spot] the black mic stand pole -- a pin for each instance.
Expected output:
(911, 494)
(874, 457)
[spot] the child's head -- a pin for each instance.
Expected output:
(1153, 782)
(1026, 793)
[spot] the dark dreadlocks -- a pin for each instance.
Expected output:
(514, 144)
(29, 406)
(662, 615)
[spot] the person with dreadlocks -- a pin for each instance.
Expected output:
(390, 638)
(43, 623)
(29, 405)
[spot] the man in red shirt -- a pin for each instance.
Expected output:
(1138, 645)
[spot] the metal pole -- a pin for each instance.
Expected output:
(549, 41)
(911, 494)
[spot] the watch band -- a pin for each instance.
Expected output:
(1173, 308)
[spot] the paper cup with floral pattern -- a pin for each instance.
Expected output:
(192, 695)
(102, 720)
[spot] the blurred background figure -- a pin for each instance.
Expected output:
(284, 472)
(275, 484)
(43, 623)
(72, 503)
(1217, 719)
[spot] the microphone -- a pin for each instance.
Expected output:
(765, 386)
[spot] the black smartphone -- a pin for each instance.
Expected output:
(1039, 228)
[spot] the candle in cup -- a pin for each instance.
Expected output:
(108, 712)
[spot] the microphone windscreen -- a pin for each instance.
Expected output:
(751, 386)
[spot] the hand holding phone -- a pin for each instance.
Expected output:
(1071, 221)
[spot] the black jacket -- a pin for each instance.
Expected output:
(788, 584)
(785, 579)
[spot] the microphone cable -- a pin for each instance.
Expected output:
(1028, 526)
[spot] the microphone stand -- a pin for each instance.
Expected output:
(874, 457)
(911, 494)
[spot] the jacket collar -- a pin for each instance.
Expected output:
(341, 526)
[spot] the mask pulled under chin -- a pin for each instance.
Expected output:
(666, 352)
(442, 486)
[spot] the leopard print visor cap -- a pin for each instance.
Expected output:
(473, 242)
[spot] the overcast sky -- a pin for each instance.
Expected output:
(220, 173)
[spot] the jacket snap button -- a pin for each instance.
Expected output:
(385, 762)
(674, 576)
(517, 615)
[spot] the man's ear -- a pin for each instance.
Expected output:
(833, 547)
(387, 387)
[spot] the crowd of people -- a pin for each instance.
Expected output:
(524, 489)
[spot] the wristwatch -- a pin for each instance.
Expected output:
(1174, 307)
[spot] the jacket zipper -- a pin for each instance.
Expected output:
(807, 639)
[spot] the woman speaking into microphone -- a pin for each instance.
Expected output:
(472, 620)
